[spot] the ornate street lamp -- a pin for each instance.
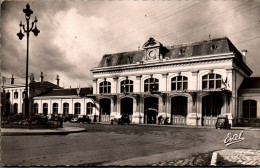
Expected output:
(20, 35)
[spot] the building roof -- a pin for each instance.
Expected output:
(44, 84)
(223, 45)
(250, 83)
(67, 92)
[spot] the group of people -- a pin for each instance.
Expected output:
(162, 120)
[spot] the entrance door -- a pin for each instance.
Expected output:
(45, 109)
(127, 107)
(150, 110)
(211, 108)
(15, 108)
(179, 110)
(105, 106)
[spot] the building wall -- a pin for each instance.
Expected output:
(60, 101)
(253, 94)
(14, 100)
(193, 72)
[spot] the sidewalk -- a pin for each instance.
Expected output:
(233, 157)
(244, 157)
(189, 126)
(56, 131)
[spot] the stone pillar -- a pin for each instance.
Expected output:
(94, 85)
(137, 84)
(195, 117)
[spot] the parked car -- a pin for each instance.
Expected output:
(82, 119)
(74, 119)
(124, 119)
(67, 117)
(222, 122)
(114, 121)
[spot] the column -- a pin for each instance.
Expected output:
(137, 84)
(94, 86)
(194, 118)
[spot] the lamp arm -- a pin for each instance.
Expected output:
(31, 27)
(24, 29)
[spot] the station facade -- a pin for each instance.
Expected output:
(189, 84)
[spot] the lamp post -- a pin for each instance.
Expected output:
(27, 31)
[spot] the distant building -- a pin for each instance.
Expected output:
(65, 101)
(14, 93)
(190, 84)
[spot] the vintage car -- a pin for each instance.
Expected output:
(82, 119)
(67, 117)
(121, 121)
(124, 119)
(222, 122)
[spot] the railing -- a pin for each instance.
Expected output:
(178, 120)
(105, 118)
(209, 121)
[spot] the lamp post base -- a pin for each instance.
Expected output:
(26, 102)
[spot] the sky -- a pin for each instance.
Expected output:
(74, 35)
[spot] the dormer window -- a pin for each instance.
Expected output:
(214, 47)
(108, 59)
(130, 58)
(181, 51)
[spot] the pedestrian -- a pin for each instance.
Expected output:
(160, 120)
(95, 119)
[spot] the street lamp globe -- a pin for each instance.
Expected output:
(27, 11)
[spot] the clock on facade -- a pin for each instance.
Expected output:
(152, 54)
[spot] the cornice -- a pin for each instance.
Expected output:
(160, 66)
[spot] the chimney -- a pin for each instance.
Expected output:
(244, 55)
(58, 80)
(42, 77)
(12, 79)
(32, 78)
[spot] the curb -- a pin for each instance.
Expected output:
(47, 132)
(214, 159)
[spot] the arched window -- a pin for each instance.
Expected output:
(55, 107)
(180, 83)
(45, 109)
(16, 95)
(8, 95)
(90, 108)
(65, 109)
(249, 109)
(15, 108)
(35, 108)
(211, 81)
(23, 94)
(151, 84)
(77, 108)
(127, 86)
(105, 87)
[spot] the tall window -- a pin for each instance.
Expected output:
(105, 87)
(15, 108)
(35, 108)
(179, 83)
(45, 109)
(151, 84)
(77, 108)
(65, 109)
(15, 95)
(8, 95)
(55, 108)
(90, 108)
(249, 109)
(211, 81)
(127, 86)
